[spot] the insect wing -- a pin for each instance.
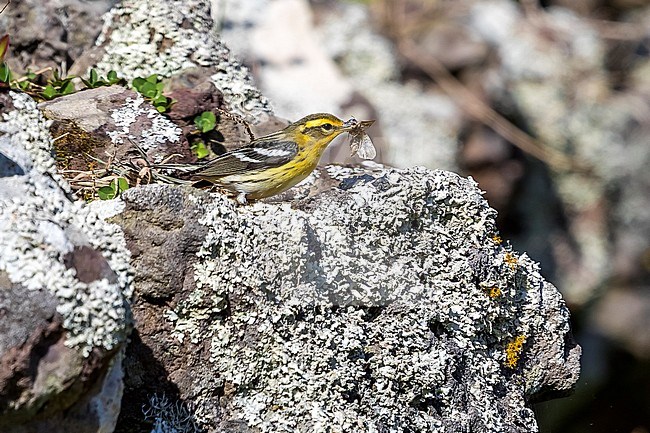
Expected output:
(355, 143)
(365, 148)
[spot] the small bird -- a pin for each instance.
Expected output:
(273, 163)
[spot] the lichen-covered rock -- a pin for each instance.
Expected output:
(64, 291)
(147, 37)
(375, 300)
(102, 124)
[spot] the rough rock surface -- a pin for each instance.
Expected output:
(141, 38)
(102, 123)
(174, 39)
(374, 300)
(64, 291)
(50, 33)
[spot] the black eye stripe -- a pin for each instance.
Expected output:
(325, 126)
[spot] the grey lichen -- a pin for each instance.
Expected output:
(388, 306)
(26, 127)
(39, 225)
(162, 130)
(166, 37)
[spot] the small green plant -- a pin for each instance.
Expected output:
(206, 121)
(200, 149)
(54, 86)
(58, 86)
(152, 89)
(111, 191)
(26, 82)
(94, 80)
(5, 73)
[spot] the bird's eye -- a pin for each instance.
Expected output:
(327, 127)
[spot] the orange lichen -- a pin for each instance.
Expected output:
(493, 292)
(513, 351)
(497, 239)
(511, 260)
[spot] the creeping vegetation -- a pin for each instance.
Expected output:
(152, 88)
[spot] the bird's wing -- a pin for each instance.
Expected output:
(254, 156)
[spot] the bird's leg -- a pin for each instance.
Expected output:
(241, 198)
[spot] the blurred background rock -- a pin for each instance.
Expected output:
(546, 105)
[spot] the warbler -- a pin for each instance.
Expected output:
(273, 163)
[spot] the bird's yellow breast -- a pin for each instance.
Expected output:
(271, 181)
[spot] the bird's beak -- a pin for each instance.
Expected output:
(349, 124)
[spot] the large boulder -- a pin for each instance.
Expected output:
(64, 291)
(367, 299)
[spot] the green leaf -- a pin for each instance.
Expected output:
(201, 150)
(206, 121)
(93, 76)
(161, 108)
(138, 82)
(161, 100)
(149, 90)
(153, 79)
(68, 88)
(122, 184)
(5, 73)
(106, 192)
(112, 77)
(49, 92)
(94, 81)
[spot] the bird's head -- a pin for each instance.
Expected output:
(317, 130)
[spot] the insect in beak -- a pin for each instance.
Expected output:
(360, 142)
(353, 124)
